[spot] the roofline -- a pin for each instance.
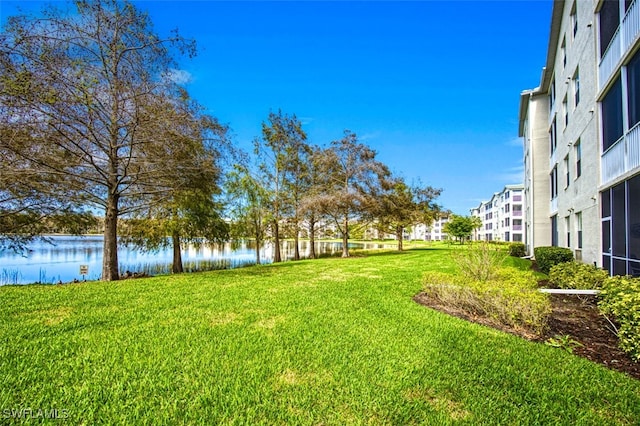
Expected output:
(547, 71)
(554, 36)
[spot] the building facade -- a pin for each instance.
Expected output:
(432, 232)
(581, 137)
(502, 216)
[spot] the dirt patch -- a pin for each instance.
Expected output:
(574, 316)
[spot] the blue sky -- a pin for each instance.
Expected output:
(432, 86)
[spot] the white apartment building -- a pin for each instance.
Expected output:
(581, 136)
(433, 232)
(503, 216)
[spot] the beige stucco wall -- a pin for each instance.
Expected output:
(581, 195)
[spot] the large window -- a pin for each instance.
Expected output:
(633, 217)
(633, 89)
(578, 152)
(576, 88)
(579, 228)
(553, 180)
(554, 231)
(574, 18)
(553, 137)
(621, 228)
(612, 126)
(609, 22)
(618, 213)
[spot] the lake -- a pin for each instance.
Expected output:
(61, 261)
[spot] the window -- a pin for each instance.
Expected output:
(618, 226)
(574, 18)
(609, 22)
(633, 217)
(563, 49)
(578, 151)
(621, 227)
(554, 231)
(567, 224)
(553, 141)
(567, 169)
(506, 236)
(552, 93)
(576, 88)
(507, 221)
(565, 111)
(612, 115)
(553, 178)
(507, 208)
(633, 90)
(579, 228)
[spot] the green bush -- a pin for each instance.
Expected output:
(517, 250)
(510, 297)
(479, 262)
(547, 257)
(620, 297)
(577, 275)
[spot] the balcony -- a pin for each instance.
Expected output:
(517, 227)
(517, 213)
(620, 44)
(622, 157)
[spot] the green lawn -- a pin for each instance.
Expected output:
(331, 341)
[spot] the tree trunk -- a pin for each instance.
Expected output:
(176, 267)
(399, 236)
(296, 243)
(345, 237)
(277, 257)
(110, 246)
(258, 243)
(312, 238)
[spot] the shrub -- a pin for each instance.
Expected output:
(547, 257)
(517, 250)
(577, 275)
(480, 262)
(510, 297)
(620, 297)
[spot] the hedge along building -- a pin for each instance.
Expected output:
(581, 131)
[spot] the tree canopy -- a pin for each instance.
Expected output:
(401, 206)
(460, 227)
(87, 100)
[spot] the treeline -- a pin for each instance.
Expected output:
(94, 118)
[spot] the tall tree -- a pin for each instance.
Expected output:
(402, 206)
(188, 212)
(280, 155)
(76, 93)
(460, 227)
(297, 178)
(317, 184)
(247, 206)
(355, 179)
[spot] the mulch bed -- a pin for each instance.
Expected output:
(574, 316)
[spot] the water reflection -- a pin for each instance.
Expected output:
(60, 261)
